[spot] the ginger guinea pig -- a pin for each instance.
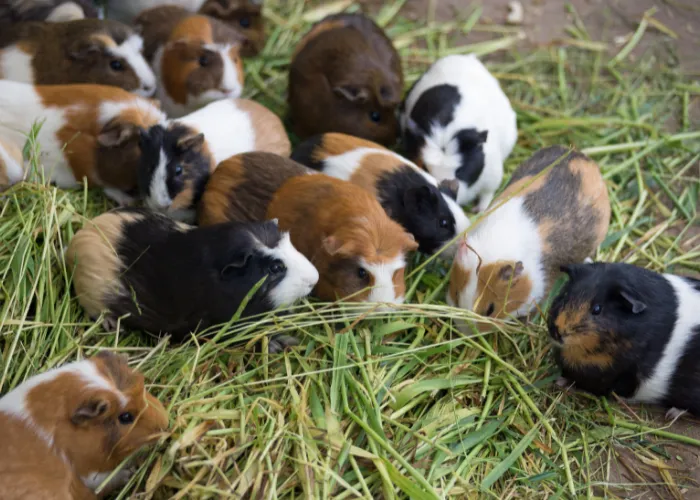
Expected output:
(65, 430)
(16, 11)
(83, 51)
(241, 188)
(244, 15)
(557, 213)
(409, 195)
(624, 329)
(87, 132)
(346, 76)
(458, 124)
(197, 58)
(11, 164)
(169, 277)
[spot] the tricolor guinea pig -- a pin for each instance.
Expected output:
(458, 124)
(241, 188)
(346, 76)
(16, 11)
(64, 431)
(554, 211)
(11, 164)
(87, 131)
(196, 58)
(163, 276)
(83, 51)
(409, 195)
(620, 328)
(244, 15)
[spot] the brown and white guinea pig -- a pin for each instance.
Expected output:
(624, 329)
(410, 196)
(16, 11)
(242, 187)
(346, 76)
(65, 430)
(83, 51)
(557, 213)
(197, 60)
(87, 131)
(160, 275)
(11, 164)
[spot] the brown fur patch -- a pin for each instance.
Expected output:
(15, 154)
(506, 296)
(521, 187)
(234, 54)
(232, 12)
(156, 24)
(178, 61)
(193, 28)
(459, 280)
(316, 30)
(270, 134)
(371, 167)
(586, 350)
(593, 193)
(334, 144)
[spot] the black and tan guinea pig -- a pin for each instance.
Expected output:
(17, 11)
(346, 76)
(410, 196)
(624, 329)
(196, 58)
(173, 278)
(82, 51)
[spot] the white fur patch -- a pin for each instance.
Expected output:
(111, 109)
(301, 276)
(13, 168)
(230, 83)
(158, 197)
(95, 479)
(16, 65)
(655, 388)
(228, 130)
(69, 11)
(383, 273)
(131, 50)
(461, 222)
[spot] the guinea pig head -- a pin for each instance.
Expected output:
(100, 414)
(175, 166)
(113, 57)
(495, 289)
(244, 15)
(597, 318)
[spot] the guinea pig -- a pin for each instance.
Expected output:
(65, 430)
(198, 61)
(409, 195)
(554, 211)
(165, 276)
(16, 11)
(83, 51)
(11, 164)
(346, 76)
(244, 15)
(624, 329)
(87, 131)
(458, 124)
(241, 188)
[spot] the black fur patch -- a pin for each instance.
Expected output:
(471, 149)
(684, 392)
(418, 206)
(181, 282)
(304, 152)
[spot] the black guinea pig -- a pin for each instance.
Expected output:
(624, 329)
(168, 277)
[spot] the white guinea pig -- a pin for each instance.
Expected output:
(458, 124)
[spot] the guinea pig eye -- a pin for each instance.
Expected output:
(490, 310)
(444, 223)
(178, 169)
(203, 60)
(362, 273)
(596, 309)
(245, 22)
(277, 267)
(116, 65)
(375, 116)
(126, 418)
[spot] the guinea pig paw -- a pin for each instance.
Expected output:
(109, 324)
(563, 382)
(674, 413)
(280, 343)
(588, 260)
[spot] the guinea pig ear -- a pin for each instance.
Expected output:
(483, 135)
(411, 245)
(335, 246)
(422, 198)
(575, 270)
(235, 263)
(634, 304)
(413, 127)
(192, 142)
(84, 47)
(508, 272)
(116, 132)
(90, 409)
(449, 187)
(353, 93)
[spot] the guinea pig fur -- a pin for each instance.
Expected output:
(11, 164)
(620, 328)
(244, 15)
(65, 430)
(83, 51)
(241, 188)
(199, 62)
(173, 278)
(554, 211)
(16, 11)
(458, 124)
(359, 251)
(87, 131)
(346, 76)
(234, 126)
(408, 194)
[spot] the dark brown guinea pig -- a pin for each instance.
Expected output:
(244, 15)
(624, 329)
(242, 187)
(346, 77)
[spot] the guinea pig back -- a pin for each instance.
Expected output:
(242, 187)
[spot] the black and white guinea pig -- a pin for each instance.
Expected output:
(409, 195)
(457, 123)
(624, 329)
(173, 278)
